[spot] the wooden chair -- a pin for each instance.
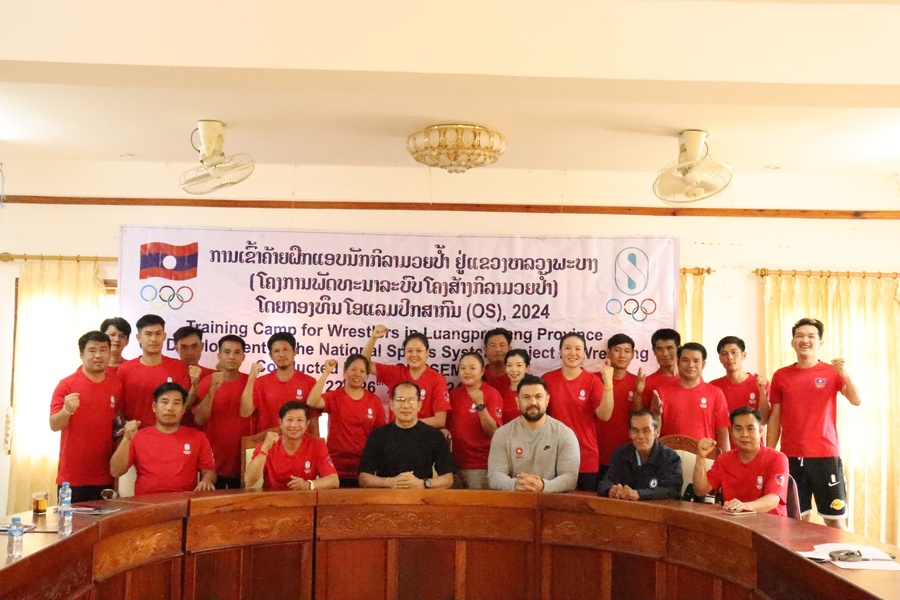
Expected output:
(686, 447)
(793, 502)
(248, 445)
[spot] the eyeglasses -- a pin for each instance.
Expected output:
(408, 400)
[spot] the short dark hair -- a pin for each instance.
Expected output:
(148, 320)
(618, 340)
(731, 339)
(355, 357)
(169, 386)
(532, 380)
(692, 346)
(281, 336)
(117, 322)
(519, 352)
(186, 331)
(573, 334)
(641, 412)
(92, 336)
(745, 410)
(478, 356)
(410, 383)
(293, 405)
(819, 325)
(664, 335)
(498, 331)
(415, 335)
(232, 338)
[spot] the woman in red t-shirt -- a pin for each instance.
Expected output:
(476, 412)
(353, 413)
(518, 364)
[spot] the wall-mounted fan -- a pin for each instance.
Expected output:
(216, 171)
(695, 175)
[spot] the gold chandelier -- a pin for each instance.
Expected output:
(456, 148)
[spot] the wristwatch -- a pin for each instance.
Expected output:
(427, 484)
(312, 485)
(480, 407)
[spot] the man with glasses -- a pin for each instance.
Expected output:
(406, 454)
(643, 469)
(535, 452)
(803, 413)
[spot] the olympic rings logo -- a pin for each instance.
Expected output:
(631, 309)
(167, 296)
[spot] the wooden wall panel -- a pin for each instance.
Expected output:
(247, 528)
(160, 580)
(216, 575)
(354, 569)
(575, 574)
(127, 550)
(603, 532)
(280, 572)
(633, 576)
(716, 555)
(499, 570)
(426, 569)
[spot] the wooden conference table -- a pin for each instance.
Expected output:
(370, 544)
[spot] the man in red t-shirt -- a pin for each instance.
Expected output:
(578, 398)
(740, 388)
(119, 332)
(141, 376)
(690, 406)
(84, 408)
(751, 477)
(803, 413)
(665, 344)
(167, 457)
(615, 432)
(292, 460)
(219, 412)
(267, 394)
(189, 346)
(496, 345)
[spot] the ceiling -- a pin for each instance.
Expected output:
(805, 87)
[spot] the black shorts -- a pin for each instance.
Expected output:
(822, 478)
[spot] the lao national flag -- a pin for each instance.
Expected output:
(168, 261)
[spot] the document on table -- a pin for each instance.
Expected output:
(873, 559)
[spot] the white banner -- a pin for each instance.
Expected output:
(331, 289)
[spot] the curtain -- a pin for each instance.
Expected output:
(862, 322)
(57, 302)
(690, 307)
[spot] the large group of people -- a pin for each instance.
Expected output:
(181, 425)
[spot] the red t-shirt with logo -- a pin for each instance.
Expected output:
(573, 402)
(349, 424)
(741, 394)
(226, 426)
(139, 382)
(808, 399)
(654, 381)
(435, 397)
(270, 394)
(614, 433)
(766, 474)
(168, 462)
(695, 412)
(510, 405)
(470, 444)
(86, 444)
(310, 461)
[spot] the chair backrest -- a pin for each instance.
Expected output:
(793, 502)
(686, 448)
(248, 445)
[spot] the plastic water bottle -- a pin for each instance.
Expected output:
(14, 539)
(65, 517)
(65, 493)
